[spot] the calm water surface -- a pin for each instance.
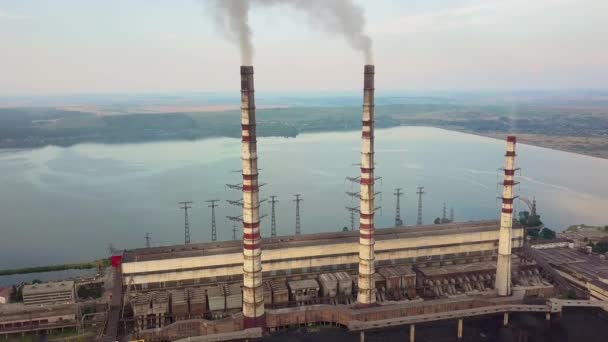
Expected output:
(67, 204)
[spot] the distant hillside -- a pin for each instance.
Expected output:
(581, 130)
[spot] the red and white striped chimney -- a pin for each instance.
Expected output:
(503, 265)
(367, 289)
(253, 292)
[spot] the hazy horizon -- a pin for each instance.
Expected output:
(64, 47)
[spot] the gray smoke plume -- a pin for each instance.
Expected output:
(339, 17)
(232, 16)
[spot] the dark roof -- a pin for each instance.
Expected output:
(226, 247)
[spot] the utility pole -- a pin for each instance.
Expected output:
(147, 240)
(420, 192)
(353, 212)
(298, 223)
(186, 205)
(451, 214)
(398, 221)
(444, 214)
(273, 217)
(213, 205)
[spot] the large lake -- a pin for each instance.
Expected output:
(67, 204)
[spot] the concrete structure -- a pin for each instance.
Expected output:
(588, 272)
(345, 283)
(5, 294)
(368, 319)
(304, 291)
(206, 263)
(329, 285)
(234, 296)
(503, 265)
(280, 293)
(198, 301)
(49, 293)
(253, 291)
(18, 318)
(366, 290)
(543, 244)
(456, 279)
(216, 297)
(179, 304)
(582, 235)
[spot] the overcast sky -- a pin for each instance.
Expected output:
(76, 46)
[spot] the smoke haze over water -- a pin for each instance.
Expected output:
(337, 17)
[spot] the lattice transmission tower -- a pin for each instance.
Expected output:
(420, 192)
(273, 216)
(398, 220)
(185, 206)
(298, 221)
(213, 205)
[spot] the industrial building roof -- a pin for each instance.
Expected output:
(303, 284)
(16, 310)
(226, 247)
(576, 262)
(483, 266)
(50, 287)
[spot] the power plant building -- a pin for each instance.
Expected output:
(206, 263)
(49, 293)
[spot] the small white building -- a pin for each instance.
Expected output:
(5, 294)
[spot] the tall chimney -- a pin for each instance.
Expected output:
(503, 266)
(253, 292)
(367, 289)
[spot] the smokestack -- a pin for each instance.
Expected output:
(253, 293)
(503, 266)
(367, 290)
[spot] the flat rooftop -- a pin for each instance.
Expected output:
(576, 261)
(50, 287)
(9, 311)
(290, 241)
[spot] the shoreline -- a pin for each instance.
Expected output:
(564, 143)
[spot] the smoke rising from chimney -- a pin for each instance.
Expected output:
(338, 17)
(232, 16)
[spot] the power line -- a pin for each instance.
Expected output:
(213, 205)
(420, 192)
(185, 206)
(298, 223)
(444, 214)
(398, 221)
(273, 217)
